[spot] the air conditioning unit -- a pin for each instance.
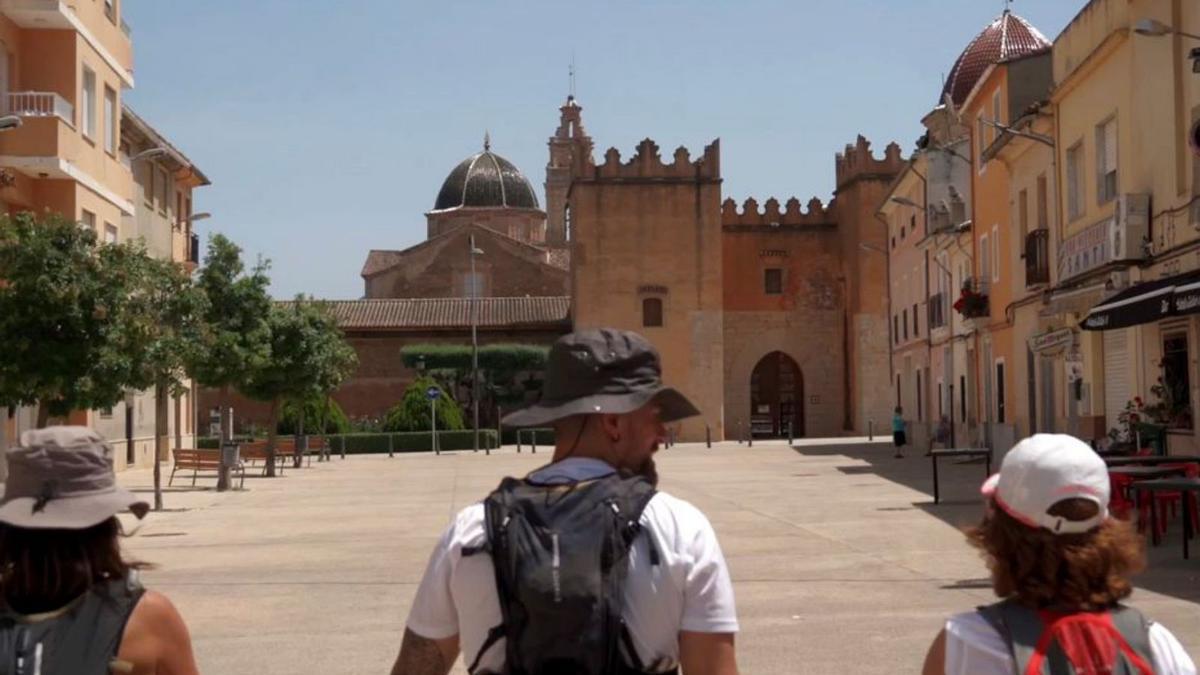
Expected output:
(1130, 227)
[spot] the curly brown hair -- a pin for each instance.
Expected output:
(1088, 571)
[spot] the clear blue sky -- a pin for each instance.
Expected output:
(328, 127)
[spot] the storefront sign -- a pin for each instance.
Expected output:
(1051, 340)
(1085, 251)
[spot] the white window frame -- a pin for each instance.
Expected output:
(87, 219)
(87, 103)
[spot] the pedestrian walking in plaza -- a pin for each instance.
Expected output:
(899, 436)
(1061, 566)
(70, 603)
(583, 566)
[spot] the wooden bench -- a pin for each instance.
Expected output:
(972, 453)
(202, 460)
(256, 451)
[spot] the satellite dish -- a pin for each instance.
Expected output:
(949, 102)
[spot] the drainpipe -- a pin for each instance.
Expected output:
(887, 257)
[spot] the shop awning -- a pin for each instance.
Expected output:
(1147, 302)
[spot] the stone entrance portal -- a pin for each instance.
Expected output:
(777, 397)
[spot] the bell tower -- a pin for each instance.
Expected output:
(570, 150)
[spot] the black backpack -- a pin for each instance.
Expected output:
(561, 555)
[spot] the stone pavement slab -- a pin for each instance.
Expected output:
(840, 560)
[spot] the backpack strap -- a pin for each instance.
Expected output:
(493, 636)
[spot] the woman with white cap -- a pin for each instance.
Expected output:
(1061, 566)
(70, 603)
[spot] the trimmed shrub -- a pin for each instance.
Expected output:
(336, 421)
(495, 357)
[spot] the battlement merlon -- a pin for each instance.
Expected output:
(817, 214)
(647, 163)
(857, 161)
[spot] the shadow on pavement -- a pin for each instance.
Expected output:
(960, 505)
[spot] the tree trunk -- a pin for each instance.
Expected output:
(161, 433)
(43, 417)
(272, 433)
(301, 440)
(224, 436)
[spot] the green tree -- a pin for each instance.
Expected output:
(235, 331)
(307, 358)
(412, 412)
(70, 338)
(164, 336)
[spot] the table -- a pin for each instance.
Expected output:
(1151, 460)
(935, 455)
(1182, 485)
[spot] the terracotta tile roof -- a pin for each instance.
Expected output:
(1007, 37)
(418, 313)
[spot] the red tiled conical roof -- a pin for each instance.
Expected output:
(1007, 37)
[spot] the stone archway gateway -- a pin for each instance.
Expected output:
(776, 396)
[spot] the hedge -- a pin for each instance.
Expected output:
(540, 436)
(411, 441)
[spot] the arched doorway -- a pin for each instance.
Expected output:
(776, 396)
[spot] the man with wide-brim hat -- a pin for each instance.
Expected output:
(605, 398)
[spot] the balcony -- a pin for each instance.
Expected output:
(39, 104)
(937, 311)
(1037, 258)
(973, 301)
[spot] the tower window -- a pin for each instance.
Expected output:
(652, 312)
(773, 281)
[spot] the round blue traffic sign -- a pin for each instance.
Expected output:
(433, 393)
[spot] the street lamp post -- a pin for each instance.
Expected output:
(475, 345)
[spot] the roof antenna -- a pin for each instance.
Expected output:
(487, 141)
(1008, 6)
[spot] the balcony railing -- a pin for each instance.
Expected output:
(1037, 258)
(194, 249)
(972, 301)
(39, 104)
(937, 311)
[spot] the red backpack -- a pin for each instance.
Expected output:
(1049, 642)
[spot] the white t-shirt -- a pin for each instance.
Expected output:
(973, 647)
(689, 590)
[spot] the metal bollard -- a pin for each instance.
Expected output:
(791, 436)
(707, 436)
(738, 433)
(519, 441)
(533, 441)
(870, 430)
(343, 447)
(391, 447)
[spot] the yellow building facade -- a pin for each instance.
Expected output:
(1124, 102)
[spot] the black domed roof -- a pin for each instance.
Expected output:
(486, 179)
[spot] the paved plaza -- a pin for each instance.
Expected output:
(841, 562)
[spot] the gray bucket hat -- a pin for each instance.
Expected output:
(602, 371)
(62, 478)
